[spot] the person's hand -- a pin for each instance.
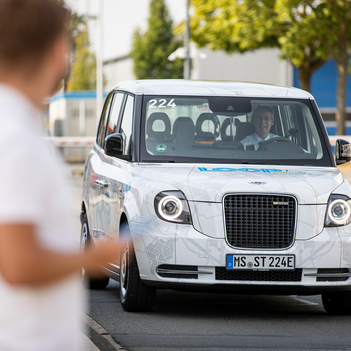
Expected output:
(102, 254)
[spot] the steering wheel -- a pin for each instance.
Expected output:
(262, 146)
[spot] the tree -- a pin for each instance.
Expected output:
(83, 74)
(150, 50)
(333, 22)
(246, 25)
(76, 25)
(299, 42)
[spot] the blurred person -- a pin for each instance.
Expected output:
(262, 120)
(40, 292)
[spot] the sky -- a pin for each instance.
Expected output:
(120, 19)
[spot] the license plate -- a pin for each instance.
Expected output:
(261, 262)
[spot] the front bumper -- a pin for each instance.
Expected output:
(181, 245)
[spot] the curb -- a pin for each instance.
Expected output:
(100, 336)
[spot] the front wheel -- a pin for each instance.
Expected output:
(338, 303)
(85, 242)
(134, 294)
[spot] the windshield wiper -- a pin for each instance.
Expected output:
(260, 163)
(159, 161)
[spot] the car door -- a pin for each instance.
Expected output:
(117, 169)
(98, 212)
(110, 172)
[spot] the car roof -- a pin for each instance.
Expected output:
(183, 87)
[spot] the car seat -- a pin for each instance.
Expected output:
(206, 137)
(224, 135)
(227, 141)
(155, 137)
(158, 135)
(243, 129)
(183, 133)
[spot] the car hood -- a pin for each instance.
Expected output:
(310, 185)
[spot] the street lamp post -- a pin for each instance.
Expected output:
(186, 44)
(99, 66)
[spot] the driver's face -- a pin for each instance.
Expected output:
(262, 122)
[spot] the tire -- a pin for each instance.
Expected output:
(135, 296)
(85, 242)
(338, 303)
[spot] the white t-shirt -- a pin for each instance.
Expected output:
(254, 140)
(33, 190)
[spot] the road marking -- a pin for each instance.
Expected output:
(305, 301)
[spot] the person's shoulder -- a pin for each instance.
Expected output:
(248, 138)
(12, 128)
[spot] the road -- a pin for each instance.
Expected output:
(191, 321)
(181, 321)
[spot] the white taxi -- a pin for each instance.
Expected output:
(220, 186)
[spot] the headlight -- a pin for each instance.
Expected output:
(172, 206)
(338, 211)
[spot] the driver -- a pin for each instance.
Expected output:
(262, 119)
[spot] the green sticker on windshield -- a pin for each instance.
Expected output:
(161, 148)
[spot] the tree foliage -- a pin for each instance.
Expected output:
(83, 73)
(234, 26)
(246, 25)
(151, 49)
(306, 31)
(299, 42)
(332, 20)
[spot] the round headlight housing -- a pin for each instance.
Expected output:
(338, 211)
(172, 206)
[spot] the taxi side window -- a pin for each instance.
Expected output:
(127, 124)
(114, 113)
(102, 124)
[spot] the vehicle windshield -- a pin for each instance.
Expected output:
(232, 130)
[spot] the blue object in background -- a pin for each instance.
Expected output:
(332, 130)
(323, 85)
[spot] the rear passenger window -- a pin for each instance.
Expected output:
(114, 113)
(127, 124)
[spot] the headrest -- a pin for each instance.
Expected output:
(183, 132)
(224, 135)
(158, 116)
(207, 117)
(243, 129)
(182, 123)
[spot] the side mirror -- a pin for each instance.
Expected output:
(114, 144)
(342, 151)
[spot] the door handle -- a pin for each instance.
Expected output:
(101, 183)
(120, 192)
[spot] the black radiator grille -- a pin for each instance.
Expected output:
(260, 221)
(259, 276)
(331, 274)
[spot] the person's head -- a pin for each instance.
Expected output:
(263, 119)
(33, 45)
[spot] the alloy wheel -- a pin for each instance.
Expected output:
(124, 270)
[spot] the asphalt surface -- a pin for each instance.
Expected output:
(190, 321)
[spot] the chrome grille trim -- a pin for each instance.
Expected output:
(176, 271)
(258, 240)
(331, 274)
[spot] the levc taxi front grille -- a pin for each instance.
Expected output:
(260, 221)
